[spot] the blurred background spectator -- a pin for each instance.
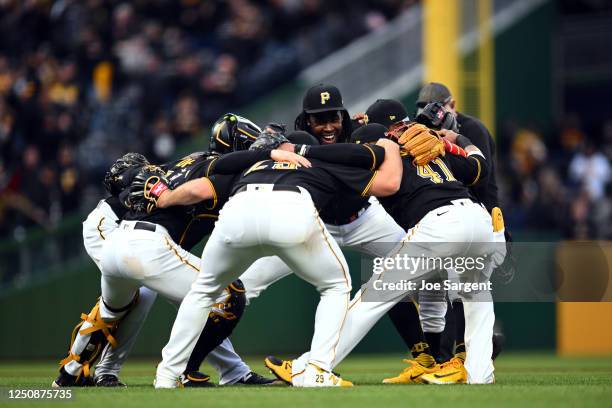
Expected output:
(82, 82)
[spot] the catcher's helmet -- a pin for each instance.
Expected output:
(114, 180)
(435, 116)
(232, 133)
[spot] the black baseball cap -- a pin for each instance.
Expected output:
(369, 133)
(302, 137)
(386, 112)
(433, 92)
(322, 98)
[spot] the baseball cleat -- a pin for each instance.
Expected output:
(498, 344)
(109, 380)
(317, 377)
(252, 378)
(196, 379)
(64, 380)
(280, 368)
(412, 374)
(451, 372)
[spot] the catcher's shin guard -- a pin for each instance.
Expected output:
(221, 322)
(88, 340)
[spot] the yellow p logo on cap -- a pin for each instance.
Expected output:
(324, 97)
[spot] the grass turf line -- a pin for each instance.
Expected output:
(523, 380)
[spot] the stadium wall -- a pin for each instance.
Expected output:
(39, 319)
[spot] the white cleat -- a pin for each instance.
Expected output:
(316, 377)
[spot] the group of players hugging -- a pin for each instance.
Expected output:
(274, 202)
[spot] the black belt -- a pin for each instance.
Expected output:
(145, 226)
(275, 187)
(352, 217)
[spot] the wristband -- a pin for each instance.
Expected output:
(453, 148)
(301, 149)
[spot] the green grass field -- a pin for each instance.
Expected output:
(522, 380)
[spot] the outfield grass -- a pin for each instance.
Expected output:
(523, 380)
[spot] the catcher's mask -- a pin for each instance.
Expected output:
(233, 133)
(435, 116)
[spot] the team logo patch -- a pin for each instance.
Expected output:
(324, 97)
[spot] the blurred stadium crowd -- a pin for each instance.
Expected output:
(81, 82)
(559, 181)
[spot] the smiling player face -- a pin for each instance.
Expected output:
(326, 126)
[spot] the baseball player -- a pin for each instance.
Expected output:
(285, 200)
(413, 320)
(433, 305)
(229, 133)
(438, 205)
(88, 339)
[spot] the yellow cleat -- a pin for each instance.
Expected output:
(280, 368)
(411, 374)
(451, 372)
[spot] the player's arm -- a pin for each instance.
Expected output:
(188, 193)
(237, 162)
(471, 169)
(364, 156)
(388, 178)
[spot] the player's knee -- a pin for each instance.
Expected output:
(335, 287)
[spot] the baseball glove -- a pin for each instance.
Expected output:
(146, 188)
(415, 139)
(268, 141)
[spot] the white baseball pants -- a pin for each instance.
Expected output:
(252, 224)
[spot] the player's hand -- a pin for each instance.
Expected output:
(361, 118)
(274, 127)
(387, 143)
(448, 135)
(285, 156)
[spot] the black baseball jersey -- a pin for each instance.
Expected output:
(473, 129)
(342, 211)
(425, 188)
(323, 180)
(187, 225)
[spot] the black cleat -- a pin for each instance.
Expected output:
(498, 344)
(253, 378)
(65, 380)
(109, 380)
(196, 379)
